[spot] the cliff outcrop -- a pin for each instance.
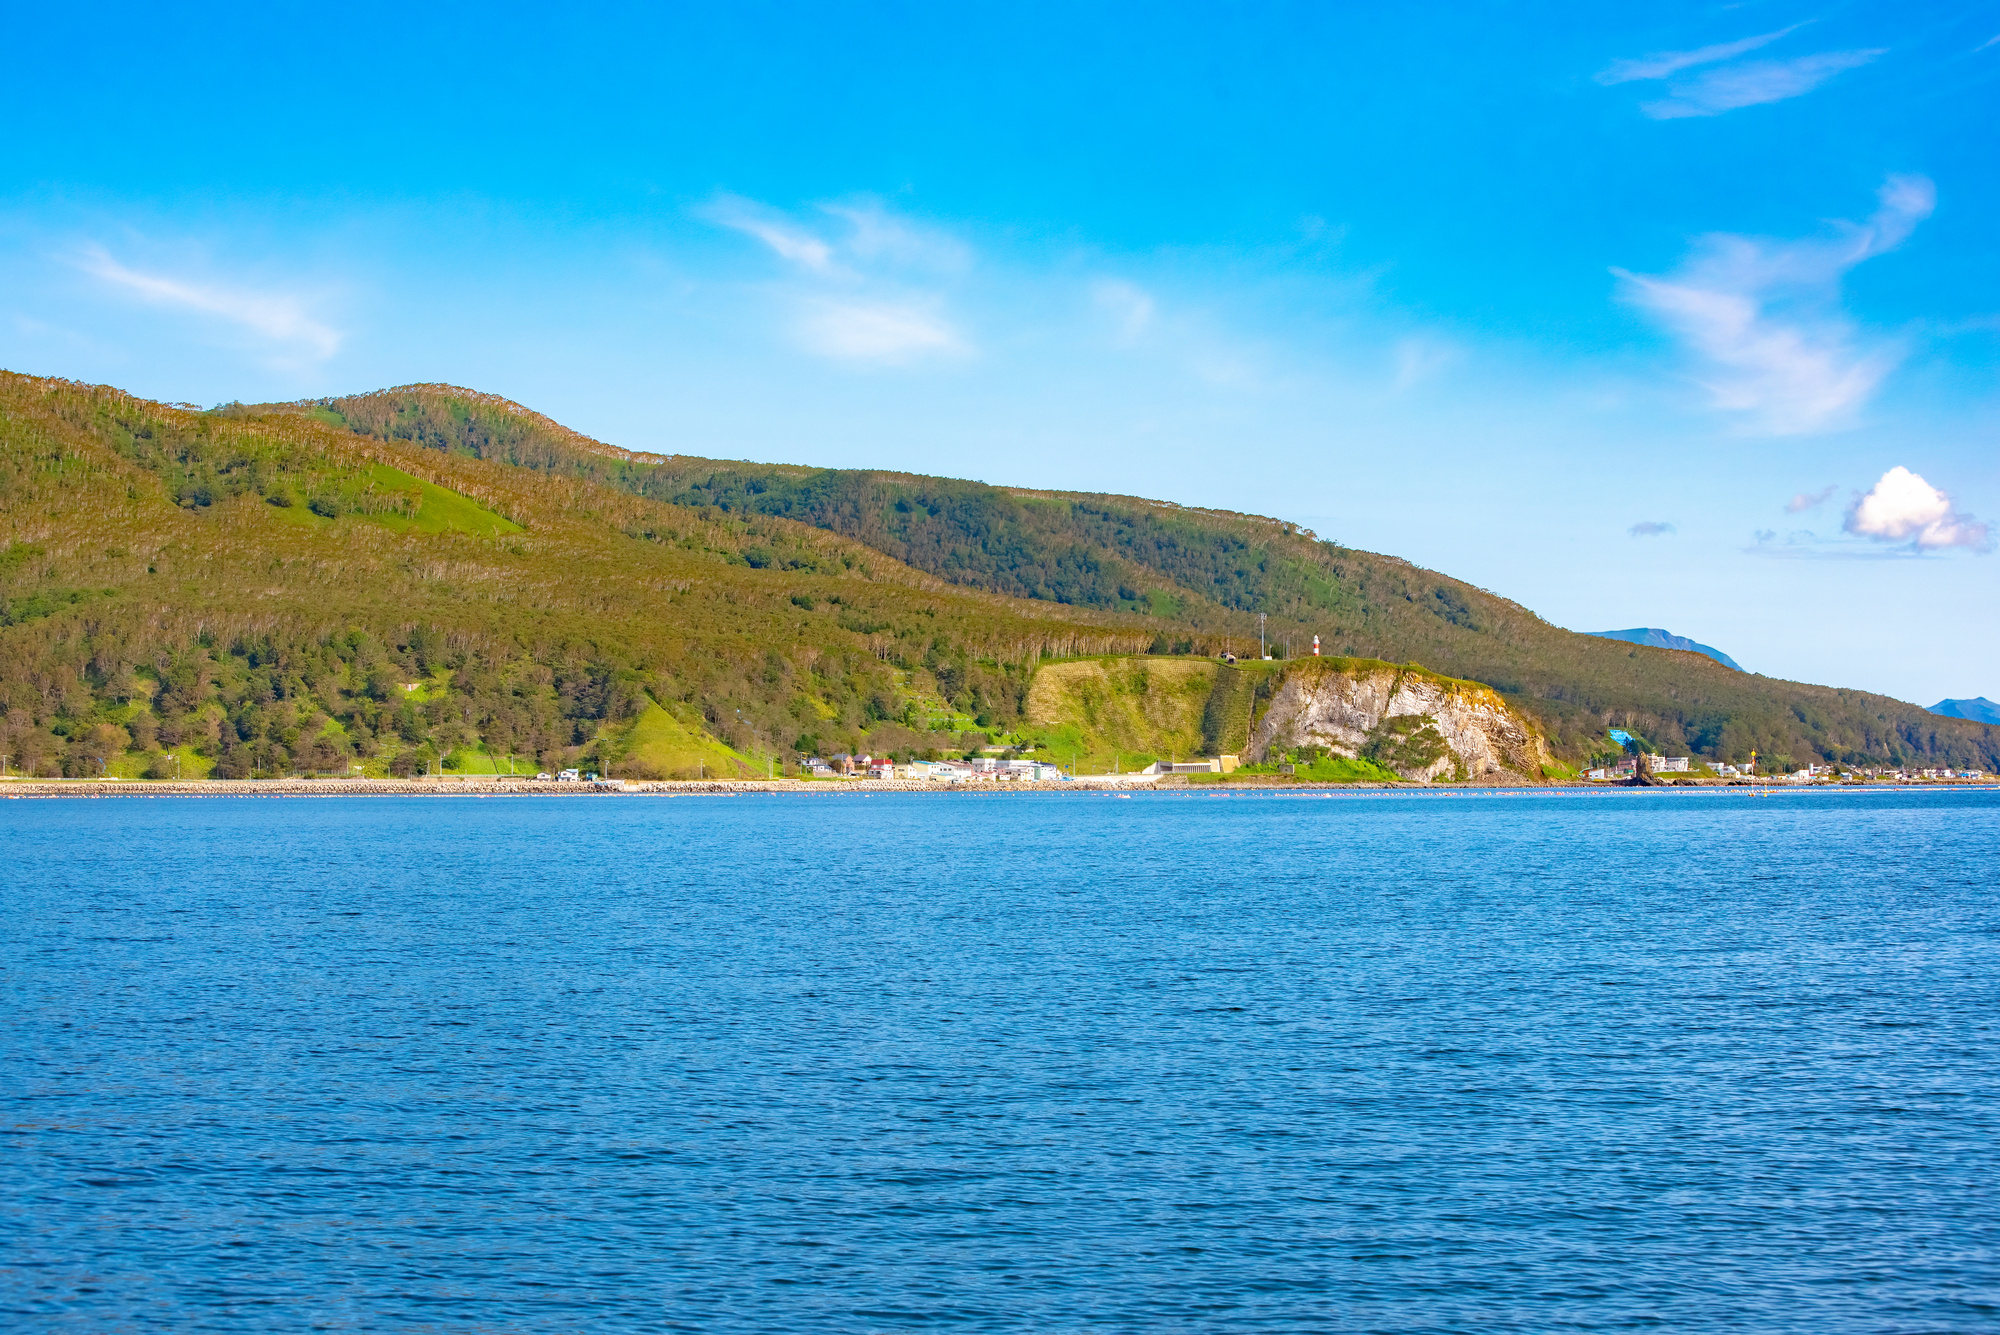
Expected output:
(1421, 725)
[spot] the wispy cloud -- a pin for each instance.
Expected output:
(1663, 63)
(1809, 500)
(874, 331)
(279, 317)
(880, 237)
(1417, 360)
(1764, 315)
(1903, 507)
(1130, 307)
(868, 286)
(1650, 528)
(1752, 83)
(1726, 83)
(1802, 544)
(785, 238)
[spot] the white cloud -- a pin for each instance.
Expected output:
(1752, 83)
(1417, 360)
(1764, 315)
(868, 290)
(874, 331)
(785, 238)
(880, 237)
(1662, 63)
(278, 317)
(1809, 500)
(1130, 306)
(1905, 508)
(875, 239)
(1650, 528)
(1734, 83)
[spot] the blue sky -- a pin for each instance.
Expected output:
(1687, 318)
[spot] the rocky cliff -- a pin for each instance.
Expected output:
(1420, 725)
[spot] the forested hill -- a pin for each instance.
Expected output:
(1209, 572)
(240, 593)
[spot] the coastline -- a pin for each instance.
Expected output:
(86, 789)
(488, 786)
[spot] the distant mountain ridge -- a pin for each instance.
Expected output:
(1979, 709)
(1666, 639)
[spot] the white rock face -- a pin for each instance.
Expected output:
(1318, 704)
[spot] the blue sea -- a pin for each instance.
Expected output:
(1403, 1062)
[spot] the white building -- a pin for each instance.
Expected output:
(1211, 765)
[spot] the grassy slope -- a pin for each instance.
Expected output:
(1120, 713)
(436, 509)
(659, 746)
(1207, 573)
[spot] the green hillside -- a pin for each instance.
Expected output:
(1106, 714)
(244, 594)
(1202, 575)
(430, 578)
(659, 745)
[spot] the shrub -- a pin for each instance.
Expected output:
(1406, 743)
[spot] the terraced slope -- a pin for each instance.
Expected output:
(1225, 720)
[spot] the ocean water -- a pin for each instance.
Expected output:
(1401, 1063)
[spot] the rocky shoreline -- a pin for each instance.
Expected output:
(506, 787)
(496, 787)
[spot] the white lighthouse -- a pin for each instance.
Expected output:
(1315, 646)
